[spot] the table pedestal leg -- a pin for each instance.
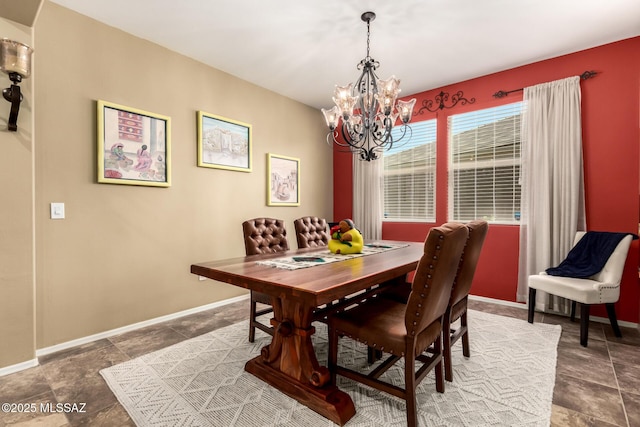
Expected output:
(289, 364)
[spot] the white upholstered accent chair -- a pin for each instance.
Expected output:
(601, 288)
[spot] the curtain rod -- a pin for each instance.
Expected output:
(501, 93)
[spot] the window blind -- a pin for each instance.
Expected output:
(410, 175)
(484, 164)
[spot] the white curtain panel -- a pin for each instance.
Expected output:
(368, 183)
(552, 182)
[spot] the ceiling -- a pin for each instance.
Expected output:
(302, 49)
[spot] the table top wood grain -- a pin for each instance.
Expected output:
(319, 284)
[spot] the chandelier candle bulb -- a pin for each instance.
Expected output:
(406, 109)
(366, 112)
(332, 117)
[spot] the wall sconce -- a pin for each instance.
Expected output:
(15, 60)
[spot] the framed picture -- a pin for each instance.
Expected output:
(134, 146)
(283, 180)
(223, 143)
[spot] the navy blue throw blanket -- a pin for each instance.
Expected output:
(589, 255)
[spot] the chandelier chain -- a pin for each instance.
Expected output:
(368, 37)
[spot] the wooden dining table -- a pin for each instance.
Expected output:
(289, 362)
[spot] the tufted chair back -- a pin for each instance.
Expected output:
(264, 235)
(311, 231)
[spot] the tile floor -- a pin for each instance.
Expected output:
(595, 386)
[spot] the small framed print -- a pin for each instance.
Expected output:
(223, 143)
(134, 146)
(283, 180)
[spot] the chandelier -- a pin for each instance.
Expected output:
(366, 113)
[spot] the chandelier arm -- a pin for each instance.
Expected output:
(353, 142)
(396, 142)
(332, 138)
(347, 147)
(333, 135)
(351, 135)
(404, 129)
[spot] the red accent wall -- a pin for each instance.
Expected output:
(611, 137)
(342, 185)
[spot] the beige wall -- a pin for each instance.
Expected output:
(16, 218)
(123, 253)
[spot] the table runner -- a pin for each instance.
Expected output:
(325, 257)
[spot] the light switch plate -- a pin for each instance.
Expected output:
(57, 210)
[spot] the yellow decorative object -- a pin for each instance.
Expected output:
(347, 240)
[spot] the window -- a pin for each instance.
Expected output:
(484, 165)
(410, 175)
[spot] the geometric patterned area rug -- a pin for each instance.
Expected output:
(507, 381)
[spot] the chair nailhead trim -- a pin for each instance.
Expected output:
(438, 247)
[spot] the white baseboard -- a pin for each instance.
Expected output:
(134, 326)
(12, 369)
(84, 340)
(523, 306)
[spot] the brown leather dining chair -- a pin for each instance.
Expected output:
(457, 307)
(311, 232)
(262, 236)
(406, 330)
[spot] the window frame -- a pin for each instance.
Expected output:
(497, 164)
(431, 137)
